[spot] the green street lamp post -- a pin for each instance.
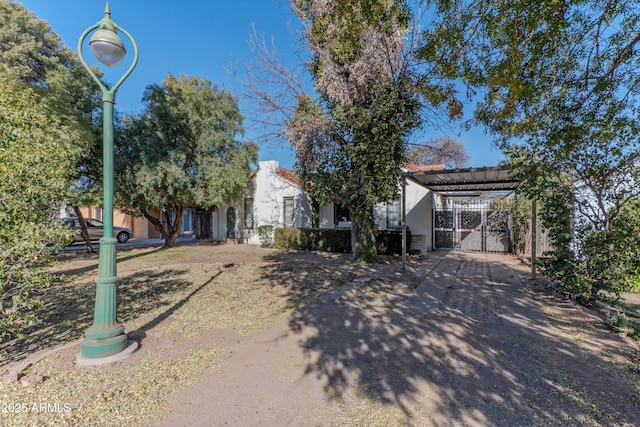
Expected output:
(105, 339)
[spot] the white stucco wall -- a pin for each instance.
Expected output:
(268, 190)
(419, 216)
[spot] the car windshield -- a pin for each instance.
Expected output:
(94, 223)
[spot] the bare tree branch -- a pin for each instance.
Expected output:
(441, 150)
(271, 86)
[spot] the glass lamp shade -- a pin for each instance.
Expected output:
(107, 47)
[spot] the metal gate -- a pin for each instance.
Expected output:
(472, 227)
(231, 223)
(202, 225)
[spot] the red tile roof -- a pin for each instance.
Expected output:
(289, 175)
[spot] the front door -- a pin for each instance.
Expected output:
(231, 223)
(202, 225)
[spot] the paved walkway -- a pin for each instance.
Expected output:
(469, 347)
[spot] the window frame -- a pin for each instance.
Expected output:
(248, 213)
(395, 204)
(292, 201)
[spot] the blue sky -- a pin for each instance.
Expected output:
(202, 37)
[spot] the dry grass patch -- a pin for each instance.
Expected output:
(100, 396)
(235, 298)
(170, 300)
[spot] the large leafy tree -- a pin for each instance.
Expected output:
(38, 154)
(30, 51)
(558, 86)
(33, 54)
(350, 129)
(182, 151)
(350, 140)
(43, 133)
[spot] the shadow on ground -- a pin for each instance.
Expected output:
(69, 308)
(94, 256)
(140, 333)
(479, 353)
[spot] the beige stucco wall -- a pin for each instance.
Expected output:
(140, 226)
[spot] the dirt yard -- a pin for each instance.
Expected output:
(240, 335)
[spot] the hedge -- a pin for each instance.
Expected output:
(336, 240)
(390, 241)
(265, 234)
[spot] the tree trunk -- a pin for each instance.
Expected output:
(174, 228)
(363, 236)
(83, 229)
(172, 231)
(156, 224)
(315, 214)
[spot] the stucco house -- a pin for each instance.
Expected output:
(274, 196)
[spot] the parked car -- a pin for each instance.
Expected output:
(94, 228)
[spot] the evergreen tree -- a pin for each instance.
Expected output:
(182, 151)
(38, 154)
(46, 109)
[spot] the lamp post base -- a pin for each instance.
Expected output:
(131, 347)
(95, 348)
(106, 336)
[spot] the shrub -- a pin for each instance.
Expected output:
(314, 239)
(265, 235)
(390, 241)
(335, 239)
(588, 260)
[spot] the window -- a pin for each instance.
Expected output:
(248, 212)
(92, 223)
(288, 212)
(394, 214)
(341, 214)
(97, 213)
(187, 220)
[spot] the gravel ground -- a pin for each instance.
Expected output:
(238, 335)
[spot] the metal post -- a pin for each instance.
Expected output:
(534, 243)
(106, 336)
(105, 339)
(404, 222)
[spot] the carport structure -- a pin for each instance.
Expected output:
(487, 183)
(469, 184)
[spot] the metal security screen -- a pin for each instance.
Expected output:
(472, 226)
(443, 229)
